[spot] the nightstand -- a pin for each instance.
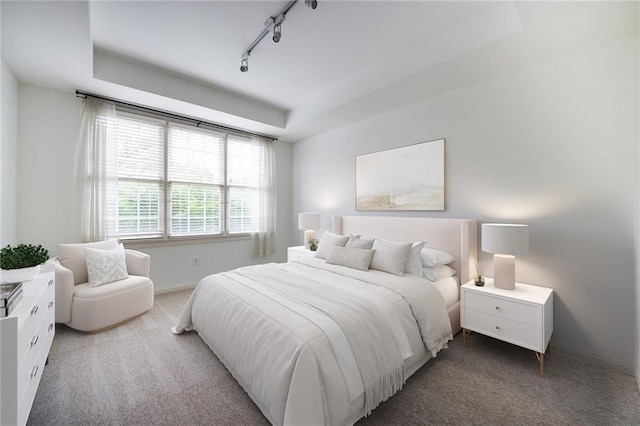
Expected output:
(523, 316)
(297, 252)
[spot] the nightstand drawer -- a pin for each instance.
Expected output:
(508, 309)
(510, 331)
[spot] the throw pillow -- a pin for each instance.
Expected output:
(390, 256)
(328, 241)
(350, 257)
(106, 266)
(414, 262)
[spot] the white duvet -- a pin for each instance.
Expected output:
(314, 343)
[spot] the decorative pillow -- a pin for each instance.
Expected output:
(74, 257)
(414, 263)
(327, 242)
(432, 257)
(350, 257)
(106, 266)
(356, 242)
(390, 256)
(438, 272)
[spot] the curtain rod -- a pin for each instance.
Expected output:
(197, 121)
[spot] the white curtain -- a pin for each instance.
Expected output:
(97, 170)
(265, 237)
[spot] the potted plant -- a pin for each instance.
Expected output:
(22, 262)
(313, 244)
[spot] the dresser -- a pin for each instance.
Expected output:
(298, 251)
(523, 316)
(25, 339)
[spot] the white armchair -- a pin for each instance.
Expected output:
(93, 309)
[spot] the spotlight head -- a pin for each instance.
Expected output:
(311, 3)
(244, 65)
(277, 32)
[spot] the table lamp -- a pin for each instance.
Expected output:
(505, 241)
(308, 222)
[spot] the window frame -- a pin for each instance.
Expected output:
(166, 238)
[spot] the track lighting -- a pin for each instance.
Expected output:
(277, 32)
(276, 24)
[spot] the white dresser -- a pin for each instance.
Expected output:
(25, 340)
(523, 316)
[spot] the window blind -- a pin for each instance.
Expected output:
(140, 177)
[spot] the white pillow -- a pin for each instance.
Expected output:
(438, 272)
(356, 242)
(390, 256)
(327, 242)
(350, 257)
(106, 266)
(432, 257)
(414, 263)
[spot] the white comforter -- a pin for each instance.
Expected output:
(314, 343)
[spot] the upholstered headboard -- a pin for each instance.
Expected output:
(458, 237)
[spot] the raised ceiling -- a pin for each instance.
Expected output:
(337, 64)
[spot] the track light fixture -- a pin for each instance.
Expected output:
(276, 24)
(277, 32)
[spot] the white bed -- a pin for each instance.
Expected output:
(267, 324)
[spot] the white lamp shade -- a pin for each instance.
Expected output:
(504, 238)
(308, 221)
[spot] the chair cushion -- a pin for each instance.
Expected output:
(83, 291)
(74, 257)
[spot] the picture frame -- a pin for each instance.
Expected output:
(408, 178)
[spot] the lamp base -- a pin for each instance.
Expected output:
(308, 236)
(504, 271)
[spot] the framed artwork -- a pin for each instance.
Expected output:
(406, 178)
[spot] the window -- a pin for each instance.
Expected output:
(177, 180)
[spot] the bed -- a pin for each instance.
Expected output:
(319, 343)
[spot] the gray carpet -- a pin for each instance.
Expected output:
(140, 373)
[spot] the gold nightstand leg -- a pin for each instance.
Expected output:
(465, 333)
(540, 363)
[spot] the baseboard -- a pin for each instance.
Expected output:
(595, 359)
(177, 287)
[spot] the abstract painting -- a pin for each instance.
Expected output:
(406, 178)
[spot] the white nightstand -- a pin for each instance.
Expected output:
(298, 251)
(523, 316)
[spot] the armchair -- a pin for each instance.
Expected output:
(93, 309)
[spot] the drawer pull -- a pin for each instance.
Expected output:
(50, 283)
(34, 309)
(51, 304)
(34, 341)
(34, 371)
(50, 327)
(497, 307)
(497, 327)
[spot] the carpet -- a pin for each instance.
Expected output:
(141, 374)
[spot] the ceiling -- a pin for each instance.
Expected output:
(335, 65)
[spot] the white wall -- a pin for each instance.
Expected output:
(48, 205)
(8, 158)
(554, 145)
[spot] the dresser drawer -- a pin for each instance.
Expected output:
(510, 331)
(42, 337)
(503, 308)
(43, 304)
(34, 374)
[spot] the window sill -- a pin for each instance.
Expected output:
(181, 241)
